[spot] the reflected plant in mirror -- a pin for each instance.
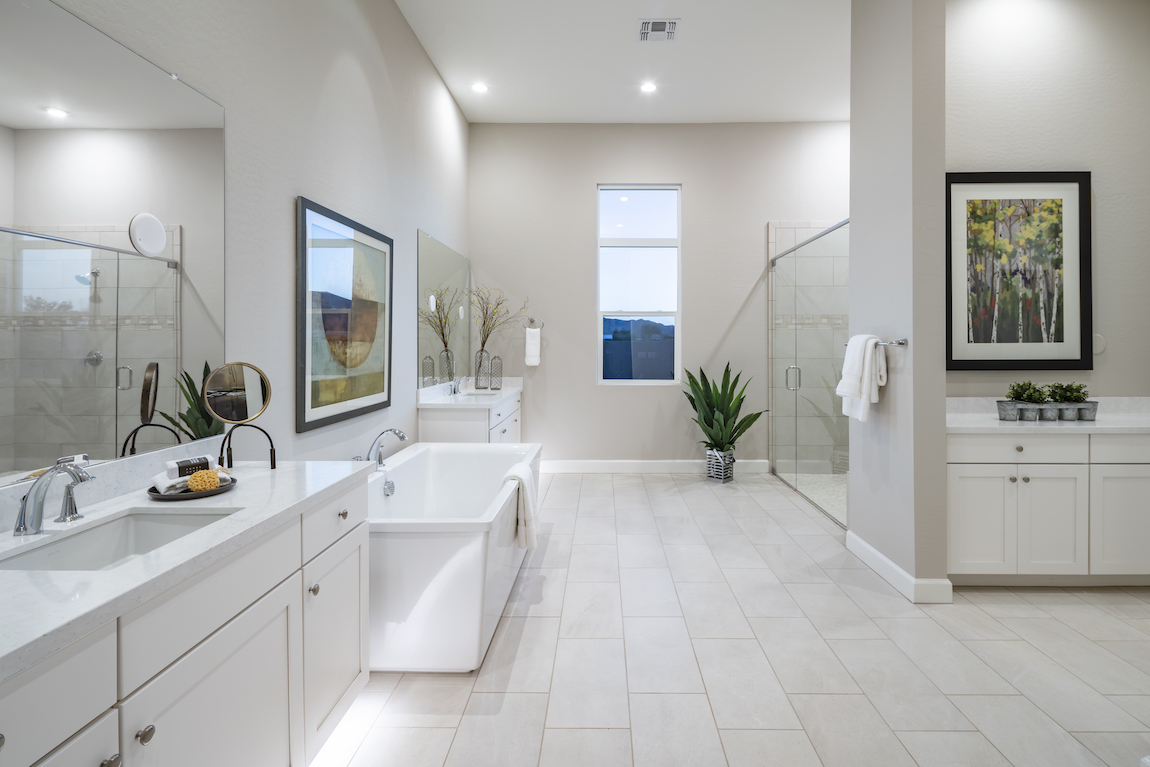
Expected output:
(441, 313)
(492, 314)
(197, 421)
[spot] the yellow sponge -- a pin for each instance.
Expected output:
(203, 480)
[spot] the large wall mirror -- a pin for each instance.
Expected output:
(92, 136)
(444, 313)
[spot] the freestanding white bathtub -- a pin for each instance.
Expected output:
(443, 553)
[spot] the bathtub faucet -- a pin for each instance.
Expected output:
(375, 452)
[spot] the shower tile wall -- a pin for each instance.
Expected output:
(809, 311)
(51, 403)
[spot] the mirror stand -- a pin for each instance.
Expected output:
(226, 445)
(131, 450)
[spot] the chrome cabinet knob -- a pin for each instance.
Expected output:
(111, 761)
(314, 590)
(343, 514)
(504, 431)
(1019, 448)
(499, 415)
(1026, 479)
(145, 735)
(1014, 479)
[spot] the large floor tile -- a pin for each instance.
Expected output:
(756, 748)
(905, 698)
(828, 553)
(1022, 733)
(832, 612)
(693, 564)
(566, 482)
(847, 732)
(635, 522)
(382, 681)
(1118, 602)
(764, 530)
(648, 592)
(593, 564)
(409, 746)
(1137, 654)
(948, 663)
(761, 595)
(952, 749)
(427, 700)
(733, 551)
(712, 612)
(596, 506)
(550, 552)
(589, 686)
(965, 621)
(558, 498)
(557, 521)
(499, 730)
(660, 657)
(744, 507)
(792, 565)
(1000, 602)
(537, 593)
(674, 731)
(1138, 706)
(581, 748)
(594, 530)
(874, 595)
(795, 522)
(632, 499)
(1096, 624)
(700, 499)
(521, 656)
(1117, 749)
(643, 551)
(742, 687)
(801, 659)
(592, 611)
(1065, 698)
(350, 732)
(597, 484)
(1090, 662)
(716, 522)
(679, 530)
(669, 506)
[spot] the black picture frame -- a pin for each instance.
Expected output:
(959, 350)
(309, 414)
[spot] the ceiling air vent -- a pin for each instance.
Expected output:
(657, 30)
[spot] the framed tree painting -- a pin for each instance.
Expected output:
(1018, 271)
(343, 318)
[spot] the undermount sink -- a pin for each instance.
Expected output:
(116, 542)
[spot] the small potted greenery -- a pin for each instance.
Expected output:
(717, 413)
(1024, 400)
(1071, 399)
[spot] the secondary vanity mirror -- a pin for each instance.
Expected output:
(111, 245)
(238, 393)
(444, 313)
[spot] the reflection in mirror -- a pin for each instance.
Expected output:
(148, 393)
(238, 393)
(444, 313)
(91, 136)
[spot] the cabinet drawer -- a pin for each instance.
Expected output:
(326, 524)
(161, 630)
(506, 430)
(1017, 448)
(502, 410)
(43, 706)
(94, 744)
(1120, 448)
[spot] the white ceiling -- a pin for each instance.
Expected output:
(49, 58)
(580, 61)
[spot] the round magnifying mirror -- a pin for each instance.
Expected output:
(237, 392)
(149, 391)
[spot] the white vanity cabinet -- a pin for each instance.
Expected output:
(460, 419)
(96, 745)
(1120, 518)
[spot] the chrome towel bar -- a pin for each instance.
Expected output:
(896, 342)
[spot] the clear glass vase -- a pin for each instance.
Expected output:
(482, 369)
(496, 373)
(427, 371)
(447, 364)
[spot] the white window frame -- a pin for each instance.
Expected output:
(650, 242)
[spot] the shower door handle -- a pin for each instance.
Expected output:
(798, 378)
(129, 369)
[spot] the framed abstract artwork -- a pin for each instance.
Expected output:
(343, 318)
(1018, 271)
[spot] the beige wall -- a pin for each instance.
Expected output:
(336, 101)
(7, 174)
(1063, 86)
(898, 463)
(533, 229)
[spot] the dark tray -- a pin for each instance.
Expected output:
(188, 495)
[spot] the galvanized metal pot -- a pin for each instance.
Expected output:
(720, 465)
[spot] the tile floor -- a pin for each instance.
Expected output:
(663, 621)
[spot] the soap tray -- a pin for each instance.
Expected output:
(188, 495)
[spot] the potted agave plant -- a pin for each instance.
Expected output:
(717, 410)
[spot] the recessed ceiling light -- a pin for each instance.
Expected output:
(54, 112)
(619, 225)
(623, 199)
(479, 88)
(647, 87)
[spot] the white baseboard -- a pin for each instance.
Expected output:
(646, 467)
(919, 590)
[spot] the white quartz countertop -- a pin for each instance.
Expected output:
(43, 611)
(470, 400)
(1106, 423)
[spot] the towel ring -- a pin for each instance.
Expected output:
(535, 319)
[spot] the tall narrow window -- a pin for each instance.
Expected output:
(639, 301)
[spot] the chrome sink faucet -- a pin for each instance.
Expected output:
(375, 452)
(458, 383)
(31, 518)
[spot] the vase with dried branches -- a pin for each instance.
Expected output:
(440, 316)
(493, 313)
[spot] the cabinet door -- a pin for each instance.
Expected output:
(1053, 519)
(982, 518)
(235, 700)
(335, 635)
(1120, 519)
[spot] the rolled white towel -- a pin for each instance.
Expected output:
(189, 466)
(532, 345)
(526, 526)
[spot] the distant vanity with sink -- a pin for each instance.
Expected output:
(475, 415)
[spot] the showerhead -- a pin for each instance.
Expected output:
(83, 278)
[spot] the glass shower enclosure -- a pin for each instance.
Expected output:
(79, 324)
(809, 295)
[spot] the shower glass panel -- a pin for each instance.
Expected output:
(810, 295)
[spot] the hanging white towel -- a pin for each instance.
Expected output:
(864, 371)
(532, 347)
(525, 517)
